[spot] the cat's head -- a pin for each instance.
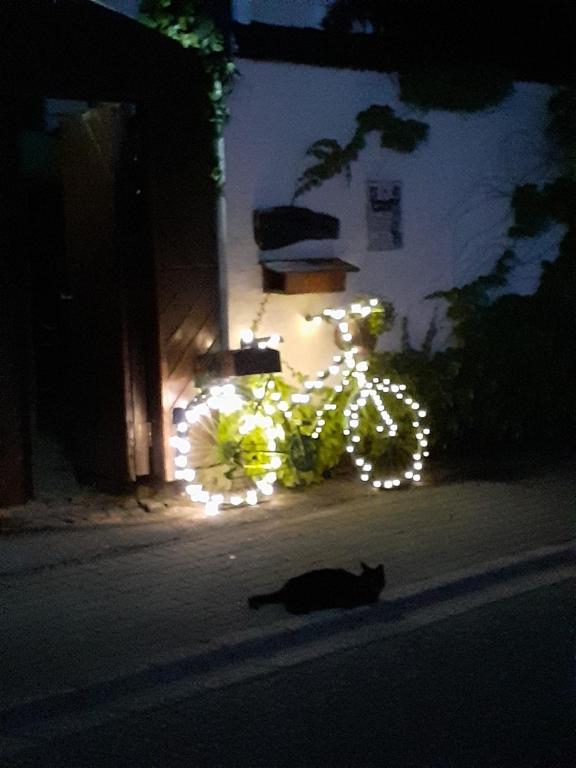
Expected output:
(374, 578)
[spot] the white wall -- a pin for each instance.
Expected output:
(126, 7)
(297, 13)
(455, 196)
(287, 13)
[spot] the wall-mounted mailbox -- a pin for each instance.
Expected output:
(306, 276)
(286, 224)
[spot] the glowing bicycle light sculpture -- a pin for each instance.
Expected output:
(232, 440)
(217, 476)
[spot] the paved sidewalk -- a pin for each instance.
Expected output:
(78, 607)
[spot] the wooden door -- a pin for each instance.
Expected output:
(183, 217)
(127, 363)
(108, 396)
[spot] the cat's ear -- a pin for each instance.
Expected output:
(365, 567)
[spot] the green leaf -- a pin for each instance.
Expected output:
(395, 133)
(302, 452)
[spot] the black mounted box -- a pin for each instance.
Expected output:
(286, 224)
(239, 362)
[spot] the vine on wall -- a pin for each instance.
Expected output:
(507, 382)
(188, 22)
(561, 128)
(465, 89)
(508, 379)
(396, 133)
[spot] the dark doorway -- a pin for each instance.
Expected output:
(108, 224)
(49, 362)
(91, 297)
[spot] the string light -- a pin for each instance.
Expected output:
(261, 413)
(249, 341)
(369, 393)
(200, 417)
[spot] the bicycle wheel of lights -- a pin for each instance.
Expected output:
(386, 434)
(384, 428)
(225, 450)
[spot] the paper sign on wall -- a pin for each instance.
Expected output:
(384, 215)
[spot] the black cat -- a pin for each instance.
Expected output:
(326, 588)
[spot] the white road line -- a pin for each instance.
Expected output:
(246, 669)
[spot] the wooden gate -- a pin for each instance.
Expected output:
(142, 249)
(108, 392)
(140, 233)
(183, 203)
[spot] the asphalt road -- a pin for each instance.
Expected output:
(490, 688)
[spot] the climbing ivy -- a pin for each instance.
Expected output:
(401, 135)
(305, 460)
(468, 304)
(462, 89)
(189, 23)
(507, 381)
(465, 87)
(506, 384)
(562, 127)
(536, 209)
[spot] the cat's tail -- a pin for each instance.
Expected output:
(258, 600)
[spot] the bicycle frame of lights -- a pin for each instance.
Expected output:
(350, 374)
